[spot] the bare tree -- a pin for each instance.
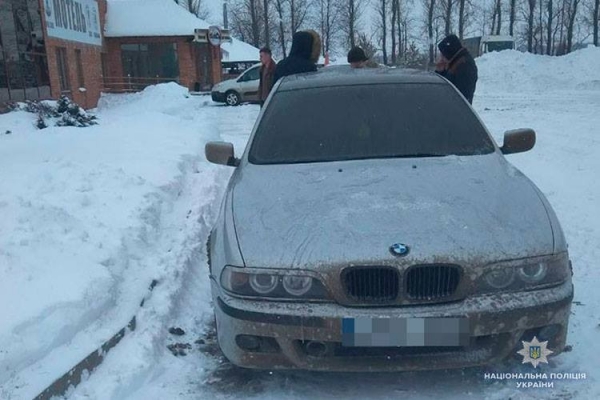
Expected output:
(350, 12)
(429, 7)
(512, 17)
(596, 19)
(572, 14)
(496, 17)
(266, 22)
(549, 30)
(530, 24)
(298, 13)
(196, 7)
(393, 30)
(447, 7)
(499, 12)
(541, 28)
(592, 17)
(382, 11)
(366, 43)
(404, 21)
(400, 25)
(461, 18)
(245, 15)
(280, 12)
(328, 21)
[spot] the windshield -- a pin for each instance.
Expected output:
(252, 74)
(367, 121)
(499, 46)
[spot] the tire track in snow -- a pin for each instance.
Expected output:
(182, 280)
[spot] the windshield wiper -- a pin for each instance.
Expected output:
(420, 155)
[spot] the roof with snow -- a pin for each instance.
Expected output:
(125, 18)
(238, 51)
(497, 38)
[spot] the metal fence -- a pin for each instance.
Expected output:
(129, 84)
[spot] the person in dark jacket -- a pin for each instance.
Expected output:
(458, 66)
(267, 72)
(303, 57)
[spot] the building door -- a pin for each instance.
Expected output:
(204, 66)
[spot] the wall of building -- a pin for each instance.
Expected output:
(189, 58)
(101, 65)
(88, 94)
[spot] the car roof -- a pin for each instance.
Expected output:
(344, 75)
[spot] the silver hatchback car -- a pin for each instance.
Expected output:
(242, 89)
(373, 224)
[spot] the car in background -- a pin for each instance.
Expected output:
(239, 90)
(373, 224)
(480, 45)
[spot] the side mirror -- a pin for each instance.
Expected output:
(518, 141)
(221, 153)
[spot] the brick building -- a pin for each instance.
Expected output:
(83, 47)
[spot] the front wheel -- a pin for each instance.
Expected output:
(232, 99)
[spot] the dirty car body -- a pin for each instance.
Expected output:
(373, 224)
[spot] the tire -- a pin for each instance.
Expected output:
(232, 98)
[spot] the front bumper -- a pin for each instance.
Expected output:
(497, 323)
(218, 97)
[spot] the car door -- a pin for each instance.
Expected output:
(249, 82)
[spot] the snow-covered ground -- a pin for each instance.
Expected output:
(90, 216)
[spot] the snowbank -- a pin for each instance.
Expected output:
(514, 71)
(80, 210)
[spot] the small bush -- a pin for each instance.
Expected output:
(63, 112)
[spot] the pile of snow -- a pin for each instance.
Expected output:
(126, 18)
(511, 70)
(81, 213)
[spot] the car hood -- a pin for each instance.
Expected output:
(475, 210)
(228, 84)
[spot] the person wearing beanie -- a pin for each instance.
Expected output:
(303, 57)
(357, 57)
(458, 66)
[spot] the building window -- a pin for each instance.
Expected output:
(80, 79)
(23, 63)
(63, 71)
(150, 60)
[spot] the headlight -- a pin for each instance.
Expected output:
(297, 285)
(536, 272)
(533, 273)
(500, 278)
(281, 284)
(263, 283)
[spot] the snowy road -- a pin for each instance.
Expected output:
(564, 164)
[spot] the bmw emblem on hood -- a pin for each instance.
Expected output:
(399, 249)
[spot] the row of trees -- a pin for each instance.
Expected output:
(396, 30)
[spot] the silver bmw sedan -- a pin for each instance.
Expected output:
(373, 224)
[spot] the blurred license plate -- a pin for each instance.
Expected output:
(405, 332)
